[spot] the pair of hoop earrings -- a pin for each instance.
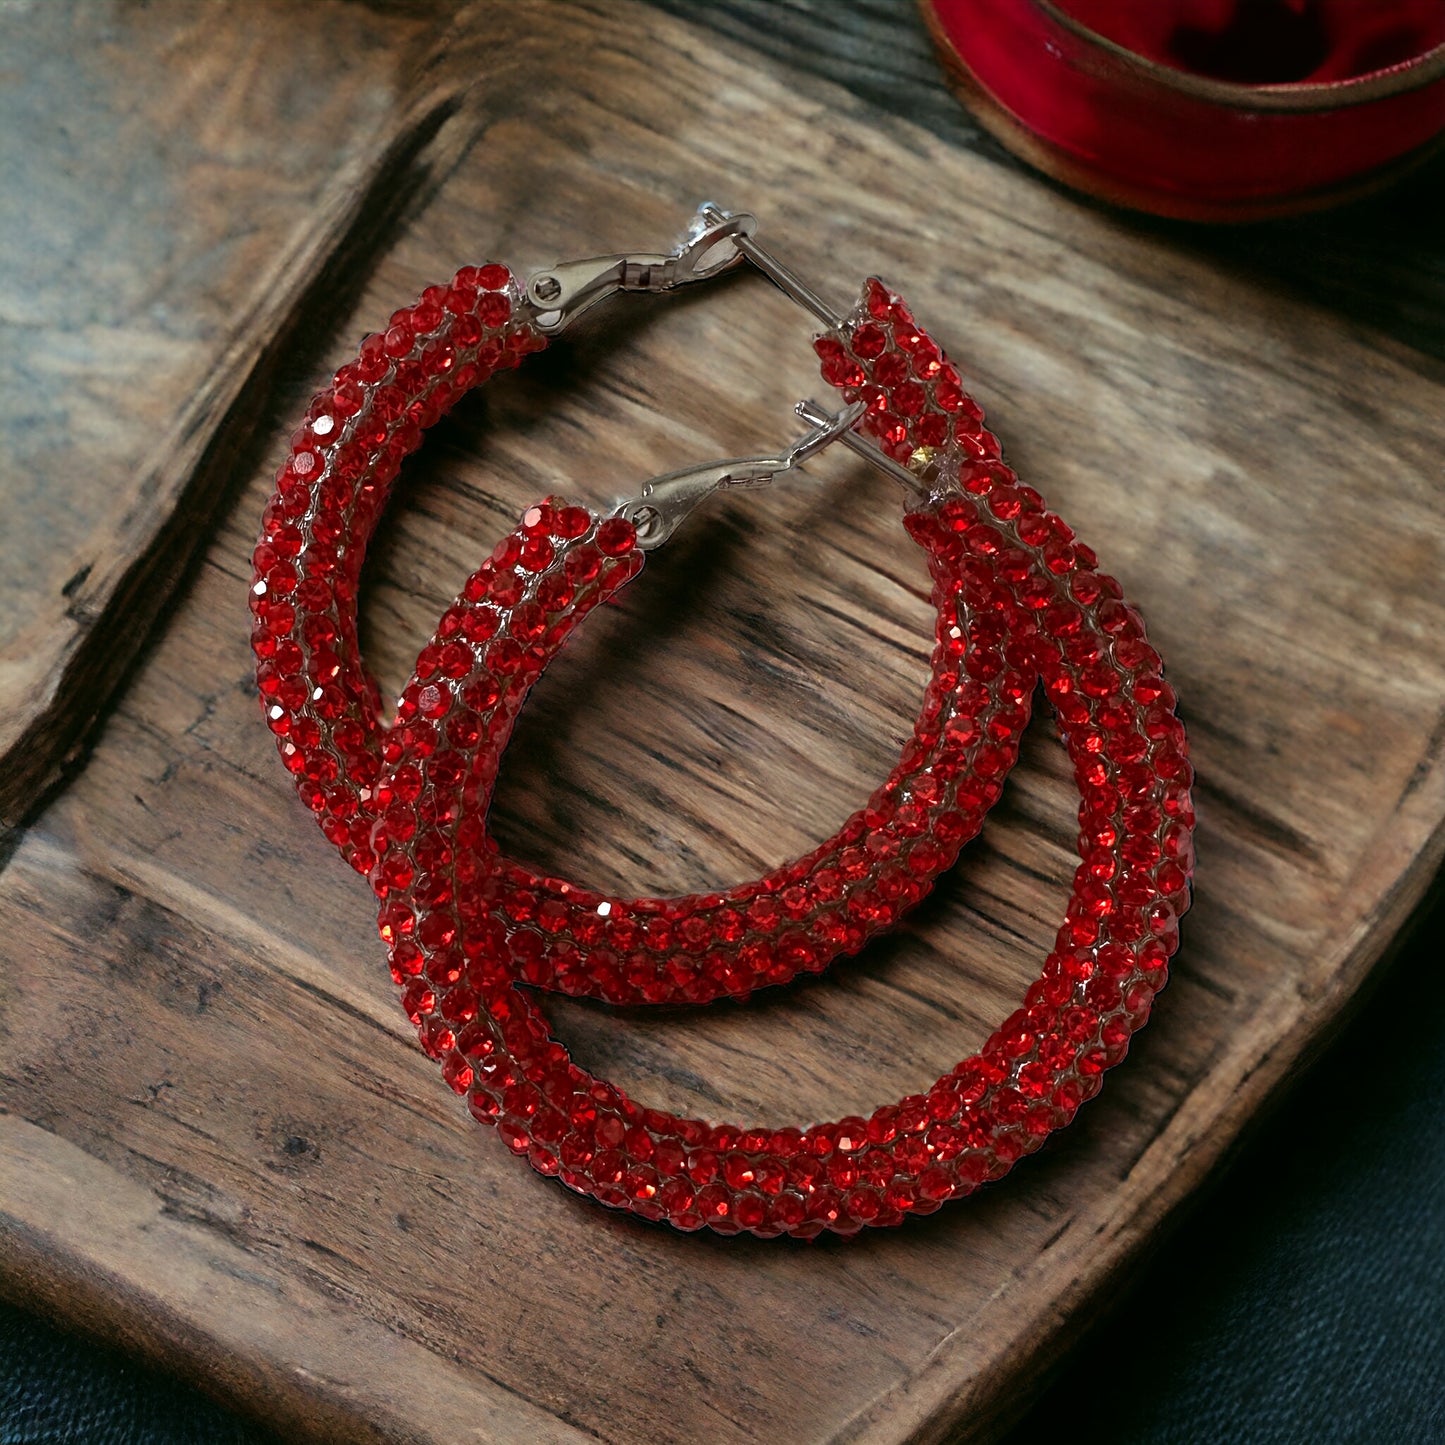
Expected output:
(1020, 603)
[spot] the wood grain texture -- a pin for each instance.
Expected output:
(222, 1143)
(179, 176)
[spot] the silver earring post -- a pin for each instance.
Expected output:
(666, 501)
(717, 241)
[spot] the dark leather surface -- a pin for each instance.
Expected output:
(55, 1388)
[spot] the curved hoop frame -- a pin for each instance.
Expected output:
(1033, 592)
(326, 713)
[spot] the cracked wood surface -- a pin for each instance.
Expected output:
(221, 1144)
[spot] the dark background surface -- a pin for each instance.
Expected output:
(1303, 1298)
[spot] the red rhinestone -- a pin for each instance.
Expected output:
(713, 1202)
(569, 522)
(909, 399)
(868, 342)
(582, 565)
(616, 536)
(891, 369)
(493, 308)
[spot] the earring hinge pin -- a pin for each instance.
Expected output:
(717, 241)
(785, 280)
(664, 502)
(815, 415)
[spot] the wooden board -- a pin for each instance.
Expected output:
(221, 1143)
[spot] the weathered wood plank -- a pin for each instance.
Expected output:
(180, 175)
(194, 995)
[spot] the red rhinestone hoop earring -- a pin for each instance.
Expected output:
(1024, 593)
(326, 713)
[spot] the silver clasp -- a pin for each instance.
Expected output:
(664, 502)
(716, 242)
(561, 293)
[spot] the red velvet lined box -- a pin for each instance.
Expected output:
(1205, 109)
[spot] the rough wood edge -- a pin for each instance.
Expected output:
(200, 462)
(330, 1385)
(1258, 1073)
